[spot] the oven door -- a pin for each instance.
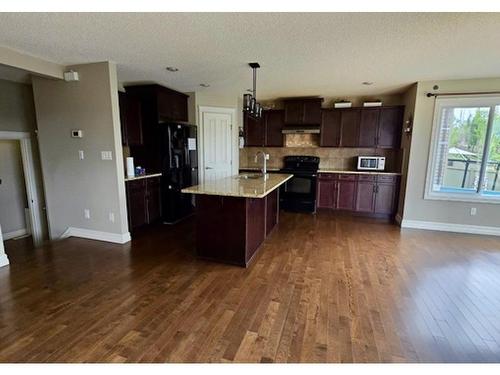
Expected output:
(299, 193)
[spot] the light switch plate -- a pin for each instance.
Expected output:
(81, 155)
(106, 155)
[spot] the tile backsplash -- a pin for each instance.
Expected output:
(330, 158)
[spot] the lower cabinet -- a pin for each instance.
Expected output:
(143, 202)
(369, 194)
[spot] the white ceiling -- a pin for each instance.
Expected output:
(325, 54)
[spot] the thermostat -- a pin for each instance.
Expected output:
(77, 134)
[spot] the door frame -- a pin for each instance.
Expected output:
(32, 192)
(234, 138)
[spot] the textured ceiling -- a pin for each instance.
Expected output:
(300, 53)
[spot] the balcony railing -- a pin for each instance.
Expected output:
(492, 168)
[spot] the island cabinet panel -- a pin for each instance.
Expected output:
(368, 127)
(255, 225)
(272, 212)
(221, 228)
(231, 229)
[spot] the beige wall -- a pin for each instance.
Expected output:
(17, 113)
(72, 185)
(409, 103)
(29, 63)
(415, 206)
(12, 188)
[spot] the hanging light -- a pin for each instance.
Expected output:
(250, 104)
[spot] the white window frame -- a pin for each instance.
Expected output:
(457, 101)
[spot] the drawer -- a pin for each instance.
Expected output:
(327, 176)
(367, 177)
(348, 177)
(387, 179)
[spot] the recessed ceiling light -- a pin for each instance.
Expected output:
(367, 83)
(204, 85)
(172, 69)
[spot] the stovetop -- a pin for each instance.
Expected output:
(301, 164)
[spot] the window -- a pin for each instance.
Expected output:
(465, 152)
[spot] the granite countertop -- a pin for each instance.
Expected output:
(258, 169)
(358, 172)
(141, 177)
(239, 187)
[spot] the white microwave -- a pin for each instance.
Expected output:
(371, 163)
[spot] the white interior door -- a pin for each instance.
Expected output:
(217, 145)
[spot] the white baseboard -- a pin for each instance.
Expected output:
(4, 261)
(97, 235)
(14, 234)
(450, 227)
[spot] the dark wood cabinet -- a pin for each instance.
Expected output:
(326, 191)
(303, 111)
(386, 194)
(273, 123)
(365, 193)
(346, 192)
(272, 211)
(143, 201)
(390, 127)
(266, 131)
(330, 128)
(255, 132)
(349, 125)
(130, 119)
(137, 204)
(362, 127)
(158, 104)
(368, 127)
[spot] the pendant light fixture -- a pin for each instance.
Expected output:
(250, 104)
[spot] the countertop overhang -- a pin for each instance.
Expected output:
(240, 187)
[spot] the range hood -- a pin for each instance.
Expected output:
(300, 130)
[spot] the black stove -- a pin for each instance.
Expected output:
(299, 193)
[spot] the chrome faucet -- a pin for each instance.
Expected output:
(264, 159)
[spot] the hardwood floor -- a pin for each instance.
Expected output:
(322, 289)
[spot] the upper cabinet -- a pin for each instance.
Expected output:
(266, 131)
(362, 127)
(274, 121)
(390, 127)
(161, 104)
(306, 111)
(130, 119)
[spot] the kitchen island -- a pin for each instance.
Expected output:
(235, 214)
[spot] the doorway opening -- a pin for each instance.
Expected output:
(21, 217)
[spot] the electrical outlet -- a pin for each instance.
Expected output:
(267, 156)
(81, 155)
(112, 217)
(473, 211)
(86, 213)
